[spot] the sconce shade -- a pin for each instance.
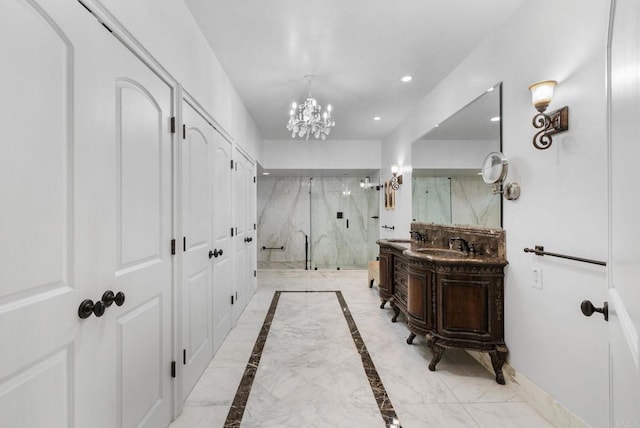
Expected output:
(394, 169)
(542, 93)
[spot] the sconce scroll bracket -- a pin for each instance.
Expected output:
(552, 123)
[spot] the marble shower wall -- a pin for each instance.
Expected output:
(283, 219)
(291, 207)
(431, 200)
(455, 200)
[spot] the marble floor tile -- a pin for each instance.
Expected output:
(311, 372)
(506, 415)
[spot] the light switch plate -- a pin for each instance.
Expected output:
(536, 278)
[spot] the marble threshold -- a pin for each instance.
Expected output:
(313, 349)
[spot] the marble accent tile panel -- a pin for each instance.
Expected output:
(240, 400)
(319, 380)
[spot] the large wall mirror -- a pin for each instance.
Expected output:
(446, 185)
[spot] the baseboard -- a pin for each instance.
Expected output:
(541, 401)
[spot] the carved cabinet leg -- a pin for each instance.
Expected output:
(396, 313)
(498, 358)
(410, 338)
(437, 355)
(382, 303)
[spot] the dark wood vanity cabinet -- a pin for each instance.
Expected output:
(388, 277)
(385, 285)
(420, 311)
(452, 301)
(469, 305)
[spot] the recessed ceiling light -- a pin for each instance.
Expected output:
(265, 173)
(406, 78)
(377, 118)
(495, 119)
(490, 89)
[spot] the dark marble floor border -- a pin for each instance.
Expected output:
(236, 412)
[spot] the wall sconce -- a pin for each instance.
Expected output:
(396, 180)
(552, 123)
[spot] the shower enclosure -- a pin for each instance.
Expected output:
(316, 223)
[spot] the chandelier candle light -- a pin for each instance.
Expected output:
(308, 118)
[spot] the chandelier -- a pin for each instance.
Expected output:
(308, 118)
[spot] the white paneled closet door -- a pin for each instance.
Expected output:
(242, 190)
(197, 172)
(222, 225)
(87, 180)
(39, 289)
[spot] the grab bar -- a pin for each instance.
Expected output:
(539, 251)
(273, 248)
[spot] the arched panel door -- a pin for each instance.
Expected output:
(222, 225)
(88, 179)
(197, 210)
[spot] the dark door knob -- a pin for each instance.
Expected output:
(87, 307)
(119, 299)
(109, 298)
(215, 253)
(220, 252)
(588, 309)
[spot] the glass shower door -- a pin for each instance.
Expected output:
(339, 210)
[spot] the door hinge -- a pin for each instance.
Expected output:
(232, 232)
(173, 247)
(236, 296)
(232, 299)
(254, 179)
(254, 226)
(173, 369)
(231, 163)
(184, 131)
(255, 273)
(184, 244)
(236, 230)
(173, 125)
(184, 357)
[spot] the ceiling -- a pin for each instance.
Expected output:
(357, 49)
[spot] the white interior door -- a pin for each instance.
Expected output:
(240, 262)
(624, 269)
(197, 212)
(87, 176)
(138, 336)
(39, 290)
(221, 225)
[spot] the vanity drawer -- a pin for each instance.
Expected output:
(401, 281)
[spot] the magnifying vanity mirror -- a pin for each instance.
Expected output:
(449, 184)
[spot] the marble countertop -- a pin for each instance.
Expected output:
(440, 255)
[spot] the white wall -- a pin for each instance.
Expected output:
(168, 31)
(318, 154)
(564, 190)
